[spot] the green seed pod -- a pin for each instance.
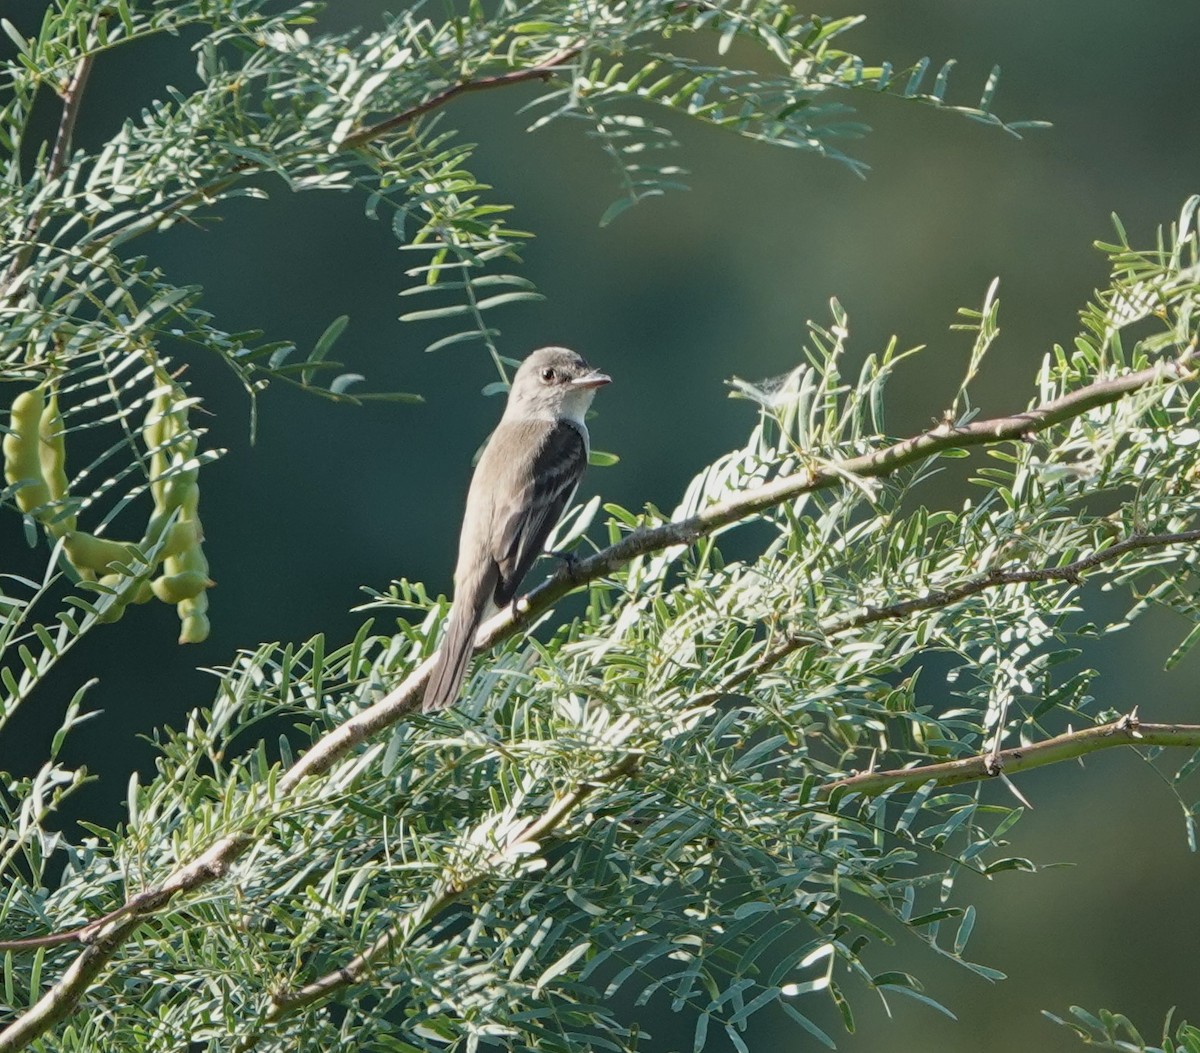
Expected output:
(115, 611)
(143, 593)
(22, 463)
(171, 538)
(183, 492)
(152, 426)
(130, 590)
(186, 585)
(190, 558)
(88, 552)
(194, 628)
(176, 493)
(154, 434)
(184, 535)
(52, 454)
(156, 529)
(193, 619)
(193, 559)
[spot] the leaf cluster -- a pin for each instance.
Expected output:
(637, 805)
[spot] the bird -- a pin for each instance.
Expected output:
(525, 479)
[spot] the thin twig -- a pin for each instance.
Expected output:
(353, 141)
(72, 96)
(105, 940)
(1127, 731)
(1124, 732)
(450, 889)
(940, 598)
(541, 71)
(72, 100)
(1069, 572)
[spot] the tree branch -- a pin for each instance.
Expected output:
(1128, 731)
(940, 598)
(72, 99)
(646, 540)
(72, 96)
(353, 141)
(541, 71)
(106, 936)
(1068, 572)
(448, 890)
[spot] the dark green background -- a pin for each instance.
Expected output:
(672, 299)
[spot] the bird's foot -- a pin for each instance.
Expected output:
(569, 560)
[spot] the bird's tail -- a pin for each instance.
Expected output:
(457, 647)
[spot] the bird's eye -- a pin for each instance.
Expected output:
(548, 375)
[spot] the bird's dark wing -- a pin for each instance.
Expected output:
(548, 485)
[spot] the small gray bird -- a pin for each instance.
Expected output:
(525, 479)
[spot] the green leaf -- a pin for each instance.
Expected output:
(562, 964)
(615, 209)
(324, 345)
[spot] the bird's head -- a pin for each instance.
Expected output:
(554, 382)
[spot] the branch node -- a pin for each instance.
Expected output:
(1129, 723)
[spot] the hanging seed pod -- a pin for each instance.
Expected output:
(174, 588)
(193, 619)
(126, 590)
(22, 463)
(88, 552)
(52, 454)
(175, 525)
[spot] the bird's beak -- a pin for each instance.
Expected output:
(594, 379)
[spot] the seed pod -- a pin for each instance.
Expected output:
(116, 600)
(152, 426)
(143, 593)
(183, 535)
(154, 434)
(88, 552)
(193, 619)
(22, 464)
(112, 614)
(182, 491)
(52, 454)
(186, 585)
(171, 538)
(131, 590)
(176, 493)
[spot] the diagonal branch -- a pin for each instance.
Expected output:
(1072, 573)
(447, 891)
(72, 100)
(542, 71)
(1128, 731)
(232, 847)
(105, 936)
(355, 140)
(72, 97)
(881, 463)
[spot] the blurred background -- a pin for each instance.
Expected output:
(675, 297)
